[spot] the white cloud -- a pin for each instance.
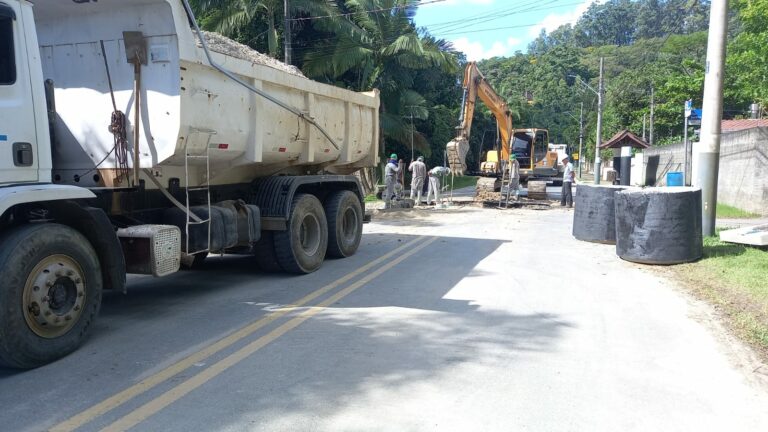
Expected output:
(476, 51)
(553, 21)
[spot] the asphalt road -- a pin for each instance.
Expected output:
(455, 320)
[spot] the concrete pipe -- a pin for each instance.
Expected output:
(659, 225)
(594, 218)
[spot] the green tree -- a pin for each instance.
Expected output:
(239, 18)
(747, 56)
(384, 50)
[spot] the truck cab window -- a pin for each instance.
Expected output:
(7, 58)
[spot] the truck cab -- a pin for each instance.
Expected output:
(23, 126)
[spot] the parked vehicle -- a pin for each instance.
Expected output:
(133, 148)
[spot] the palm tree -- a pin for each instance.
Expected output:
(229, 17)
(383, 50)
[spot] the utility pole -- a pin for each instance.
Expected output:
(643, 126)
(412, 134)
(712, 113)
(650, 128)
(581, 137)
(598, 140)
(686, 169)
(287, 32)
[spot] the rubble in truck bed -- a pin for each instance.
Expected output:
(224, 45)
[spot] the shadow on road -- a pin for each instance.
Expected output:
(419, 322)
(420, 327)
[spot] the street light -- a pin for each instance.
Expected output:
(598, 141)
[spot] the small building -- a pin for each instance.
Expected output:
(622, 144)
(625, 138)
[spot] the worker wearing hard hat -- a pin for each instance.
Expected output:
(514, 174)
(419, 170)
(391, 170)
(568, 179)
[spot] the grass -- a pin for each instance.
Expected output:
(461, 181)
(371, 198)
(726, 211)
(734, 278)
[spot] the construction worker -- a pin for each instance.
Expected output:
(514, 174)
(434, 183)
(419, 171)
(390, 172)
(568, 179)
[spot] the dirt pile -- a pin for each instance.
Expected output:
(224, 45)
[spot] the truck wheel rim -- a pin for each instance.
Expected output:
(349, 225)
(53, 296)
(309, 234)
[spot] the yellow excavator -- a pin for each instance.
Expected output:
(476, 85)
(530, 146)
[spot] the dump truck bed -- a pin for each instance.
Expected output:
(188, 107)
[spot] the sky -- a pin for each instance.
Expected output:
(489, 28)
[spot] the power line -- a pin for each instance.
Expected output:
(449, 31)
(531, 6)
(494, 13)
(348, 14)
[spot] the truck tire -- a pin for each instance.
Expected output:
(301, 248)
(50, 295)
(264, 253)
(345, 223)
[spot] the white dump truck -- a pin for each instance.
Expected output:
(130, 146)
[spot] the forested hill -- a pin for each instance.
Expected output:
(365, 44)
(646, 44)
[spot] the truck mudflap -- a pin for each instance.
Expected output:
(95, 225)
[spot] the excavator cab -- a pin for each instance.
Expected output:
(531, 148)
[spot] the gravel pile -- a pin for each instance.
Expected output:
(224, 45)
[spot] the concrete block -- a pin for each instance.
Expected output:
(755, 236)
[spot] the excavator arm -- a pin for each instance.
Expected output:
(476, 85)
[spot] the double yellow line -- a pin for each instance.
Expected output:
(177, 392)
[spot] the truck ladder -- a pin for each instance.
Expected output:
(506, 180)
(191, 218)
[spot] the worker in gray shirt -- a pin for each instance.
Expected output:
(568, 179)
(434, 182)
(514, 175)
(391, 170)
(419, 170)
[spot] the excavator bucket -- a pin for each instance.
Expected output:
(456, 151)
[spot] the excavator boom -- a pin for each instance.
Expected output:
(476, 85)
